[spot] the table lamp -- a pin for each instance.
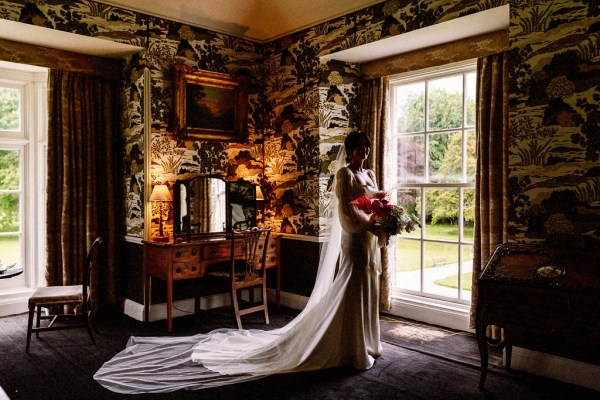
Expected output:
(260, 202)
(161, 195)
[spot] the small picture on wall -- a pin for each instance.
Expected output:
(209, 105)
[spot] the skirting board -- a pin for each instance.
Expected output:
(184, 307)
(559, 368)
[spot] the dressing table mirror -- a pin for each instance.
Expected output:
(199, 207)
(205, 206)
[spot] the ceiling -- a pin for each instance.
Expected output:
(258, 20)
(262, 20)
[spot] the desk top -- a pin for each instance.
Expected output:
(203, 240)
(542, 266)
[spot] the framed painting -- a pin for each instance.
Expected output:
(210, 105)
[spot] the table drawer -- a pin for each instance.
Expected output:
(186, 254)
(216, 252)
(186, 270)
(272, 258)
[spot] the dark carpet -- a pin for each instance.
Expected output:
(418, 362)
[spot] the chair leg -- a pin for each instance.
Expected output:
(90, 325)
(29, 327)
(264, 299)
(38, 319)
(236, 308)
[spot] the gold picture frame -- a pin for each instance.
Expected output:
(210, 105)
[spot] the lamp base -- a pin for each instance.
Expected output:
(161, 238)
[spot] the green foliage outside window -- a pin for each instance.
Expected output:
(9, 109)
(9, 180)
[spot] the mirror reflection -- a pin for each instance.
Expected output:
(200, 206)
(242, 203)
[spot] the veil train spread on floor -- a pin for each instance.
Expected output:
(227, 356)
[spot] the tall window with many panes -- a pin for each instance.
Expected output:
(433, 123)
(23, 125)
(11, 171)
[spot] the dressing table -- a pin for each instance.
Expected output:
(204, 209)
(190, 260)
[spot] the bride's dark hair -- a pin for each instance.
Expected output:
(352, 142)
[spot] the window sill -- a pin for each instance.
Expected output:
(432, 311)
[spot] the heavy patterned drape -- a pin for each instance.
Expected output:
(491, 189)
(373, 115)
(80, 205)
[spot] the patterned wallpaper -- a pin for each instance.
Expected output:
(555, 122)
(300, 109)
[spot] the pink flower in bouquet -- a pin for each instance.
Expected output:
(390, 218)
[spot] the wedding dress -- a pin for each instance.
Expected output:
(338, 327)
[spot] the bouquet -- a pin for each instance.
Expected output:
(390, 219)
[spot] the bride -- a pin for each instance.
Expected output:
(338, 327)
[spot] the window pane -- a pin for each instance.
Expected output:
(411, 159)
(9, 212)
(9, 169)
(440, 276)
(445, 157)
(467, 271)
(471, 156)
(9, 109)
(408, 265)
(410, 108)
(445, 103)
(470, 96)
(10, 249)
(441, 214)
(468, 214)
(410, 200)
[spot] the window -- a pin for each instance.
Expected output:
(433, 122)
(22, 180)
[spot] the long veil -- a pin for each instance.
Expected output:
(228, 356)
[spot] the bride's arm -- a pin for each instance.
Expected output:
(352, 218)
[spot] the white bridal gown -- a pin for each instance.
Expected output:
(338, 327)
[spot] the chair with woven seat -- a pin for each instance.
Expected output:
(75, 296)
(247, 271)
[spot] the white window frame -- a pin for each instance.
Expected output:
(452, 313)
(31, 141)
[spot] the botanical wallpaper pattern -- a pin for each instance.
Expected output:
(554, 126)
(300, 109)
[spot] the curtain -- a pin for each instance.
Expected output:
(373, 115)
(80, 204)
(491, 175)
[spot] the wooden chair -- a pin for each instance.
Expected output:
(76, 296)
(247, 271)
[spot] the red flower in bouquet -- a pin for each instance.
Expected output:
(390, 218)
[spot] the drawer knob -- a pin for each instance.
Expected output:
(194, 269)
(194, 252)
(178, 270)
(178, 254)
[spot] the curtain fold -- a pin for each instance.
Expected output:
(491, 176)
(80, 203)
(373, 121)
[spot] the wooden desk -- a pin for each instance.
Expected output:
(539, 307)
(189, 260)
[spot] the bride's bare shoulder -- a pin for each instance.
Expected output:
(344, 172)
